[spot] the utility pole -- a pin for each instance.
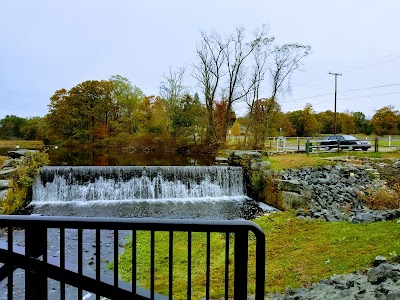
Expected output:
(334, 116)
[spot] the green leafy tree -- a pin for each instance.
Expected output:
(126, 99)
(33, 129)
(348, 123)
(325, 121)
(262, 121)
(10, 127)
(386, 121)
(305, 121)
(188, 119)
(360, 121)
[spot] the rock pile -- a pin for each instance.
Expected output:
(380, 282)
(9, 168)
(332, 193)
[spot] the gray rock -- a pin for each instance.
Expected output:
(221, 160)
(393, 295)
(382, 272)
(19, 153)
(292, 200)
(4, 184)
(3, 194)
(244, 153)
(7, 173)
(290, 185)
(379, 260)
(260, 165)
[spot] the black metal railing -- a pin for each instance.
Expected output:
(40, 248)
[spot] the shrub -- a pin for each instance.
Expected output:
(19, 193)
(383, 198)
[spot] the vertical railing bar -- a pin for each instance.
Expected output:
(44, 270)
(80, 262)
(152, 265)
(62, 263)
(208, 261)
(115, 263)
(189, 261)
(260, 267)
(98, 261)
(241, 264)
(134, 270)
(227, 265)
(171, 262)
(10, 266)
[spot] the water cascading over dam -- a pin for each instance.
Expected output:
(128, 191)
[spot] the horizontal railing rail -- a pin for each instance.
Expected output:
(34, 256)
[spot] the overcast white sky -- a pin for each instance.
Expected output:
(46, 45)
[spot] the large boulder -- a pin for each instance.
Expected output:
(20, 153)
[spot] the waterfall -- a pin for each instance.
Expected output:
(128, 191)
(127, 183)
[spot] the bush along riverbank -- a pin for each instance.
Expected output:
(16, 178)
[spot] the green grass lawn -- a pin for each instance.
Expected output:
(298, 160)
(21, 144)
(298, 252)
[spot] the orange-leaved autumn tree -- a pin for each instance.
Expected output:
(220, 112)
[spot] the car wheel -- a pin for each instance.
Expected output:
(365, 149)
(327, 148)
(350, 148)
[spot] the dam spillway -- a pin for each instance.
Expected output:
(129, 191)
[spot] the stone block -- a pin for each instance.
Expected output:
(289, 185)
(3, 194)
(4, 184)
(220, 160)
(292, 200)
(7, 173)
(260, 166)
(19, 153)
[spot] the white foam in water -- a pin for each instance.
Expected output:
(199, 192)
(224, 182)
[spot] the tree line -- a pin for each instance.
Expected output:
(231, 68)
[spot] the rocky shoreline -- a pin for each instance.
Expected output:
(380, 282)
(335, 192)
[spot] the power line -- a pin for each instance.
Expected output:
(353, 67)
(345, 91)
(358, 97)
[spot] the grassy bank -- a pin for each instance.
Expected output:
(38, 145)
(298, 252)
(298, 160)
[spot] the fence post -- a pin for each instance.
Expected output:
(376, 144)
(298, 144)
(307, 145)
(338, 146)
(35, 246)
(390, 141)
(241, 256)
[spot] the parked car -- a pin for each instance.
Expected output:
(344, 142)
